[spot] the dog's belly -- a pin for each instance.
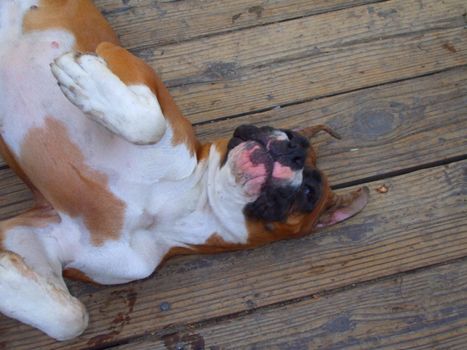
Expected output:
(29, 92)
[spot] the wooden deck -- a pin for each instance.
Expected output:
(391, 77)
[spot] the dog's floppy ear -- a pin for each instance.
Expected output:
(342, 207)
(311, 131)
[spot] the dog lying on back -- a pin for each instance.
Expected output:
(120, 181)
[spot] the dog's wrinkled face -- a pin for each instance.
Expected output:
(272, 175)
(271, 166)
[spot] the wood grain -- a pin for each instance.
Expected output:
(299, 60)
(15, 197)
(384, 129)
(425, 310)
(419, 222)
(301, 38)
(148, 23)
(411, 123)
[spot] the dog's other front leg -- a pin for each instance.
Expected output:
(114, 89)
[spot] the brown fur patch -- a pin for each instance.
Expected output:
(203, 151)
(57, 168)
(134, 71)
(76, 274)
(79, 17)
(214, 244)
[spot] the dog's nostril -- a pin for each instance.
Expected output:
(300, 161)
(292, 145)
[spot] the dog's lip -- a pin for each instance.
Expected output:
(261, 156)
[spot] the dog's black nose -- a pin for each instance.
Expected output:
(291, 152)
(288, 153)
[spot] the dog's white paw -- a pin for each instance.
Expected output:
(32, 299)
(132, 112)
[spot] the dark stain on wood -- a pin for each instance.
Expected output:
(450, 47)
(101, 339)
(190, 265)
(117, 11)
(120, 320)
(235, 17)
(374, 123)
(221, 70)
(191, 341)
(257, 10)
(340, 324)
(387, 13)
(214, 72)
(131, 297)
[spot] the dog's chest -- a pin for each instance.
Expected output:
(84, 170)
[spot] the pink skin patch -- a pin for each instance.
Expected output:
(54, 44)
(251, 175)
(282, 172)
(344, 213)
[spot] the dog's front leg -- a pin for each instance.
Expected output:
(113, 89)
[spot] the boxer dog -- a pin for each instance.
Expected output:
(119, 180)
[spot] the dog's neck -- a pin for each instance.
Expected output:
(208, 203)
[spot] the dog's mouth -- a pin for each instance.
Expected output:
(261, 157)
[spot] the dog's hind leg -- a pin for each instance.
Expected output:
(32, 289)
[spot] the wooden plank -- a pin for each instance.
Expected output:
(425, 310)
(304, 59)
(145, 22)
(15, 197)
(411, 123)
(384, 129)
(301, 38)
(420, 221)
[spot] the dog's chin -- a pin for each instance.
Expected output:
(251, 166)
